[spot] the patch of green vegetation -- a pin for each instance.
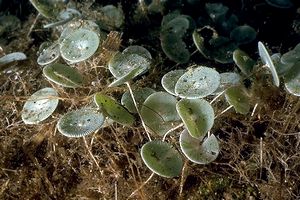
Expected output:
(223, 188)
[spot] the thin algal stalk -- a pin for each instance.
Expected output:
(138, 111)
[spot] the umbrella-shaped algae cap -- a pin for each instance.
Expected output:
(79, 123)
(243, 61)
(238, 98)
(159, 112)
(39, 106)
(170, 79)
(266, 58)
(63, 75)
(49, 54)
(161, 158)
(123, 64)
(197, 151)
(197, 83)
(292, 80)
(197, 116)
(12, 57)
(113, 110)
(79, 45)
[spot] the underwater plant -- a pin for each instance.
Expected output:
(48, 54)
(79, 45)
(266, 58)
(10, 58)
(79, 123)
(284, 66)
(280, 3)
(186, 107)
(220, 36)
(39, 106)
(63, 75)
(162, 158)
(48, 8)
(173, 29)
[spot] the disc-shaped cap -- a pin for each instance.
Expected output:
(170, 79)
(292, 80)
(135, 49)
(197, 152)
(63, 75)
(159, 112)
(39, 106)
(172, 43)
(197, 83)
(16, 56)
(112, 17)
(243, 61)
(113, 110)
(48, 8)
(79, 45)
(197, 116)
(266, 58)
(122, 64)
(238, 98)
(49, 54)
(243, 34)
(80, 122)
(161, 158)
